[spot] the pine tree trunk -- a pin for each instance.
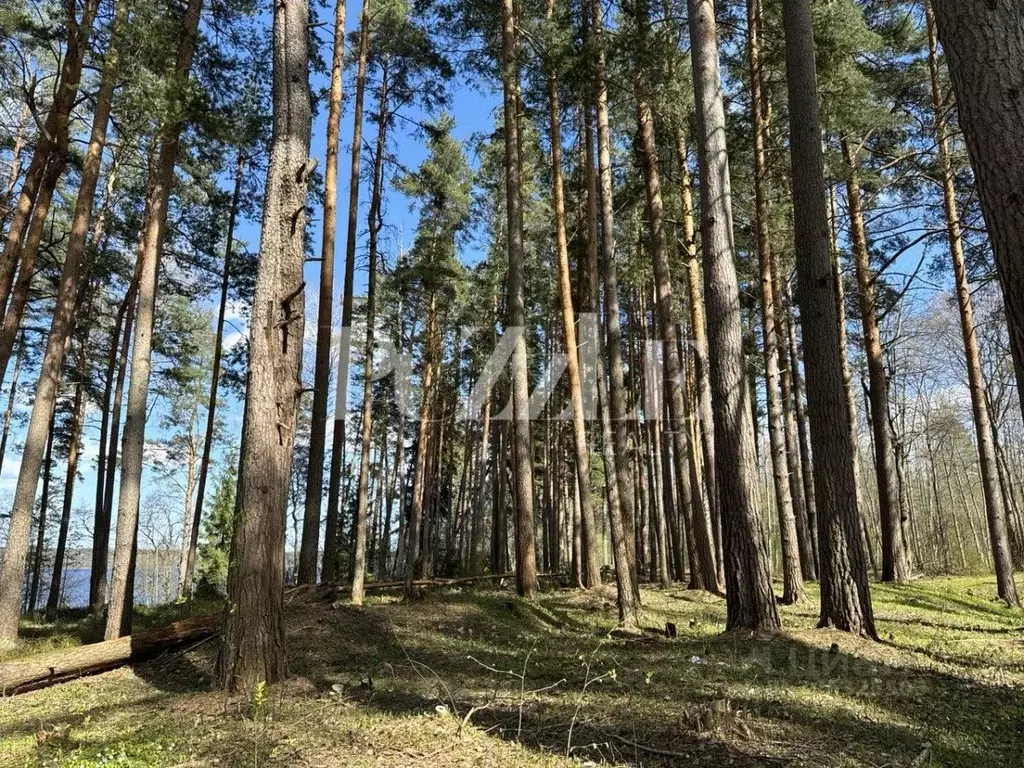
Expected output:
(253, 646)
(77, 420)
(984, 49)
(995, 511)
(851, 401)
(61, 326)
(419, 478)
(623, 518)
(187, 573)
(702, 496)
(526, 556)
(310, 544)
(801, 508)
(341, 398)
(895, 565)
(792, 576)
(138, 389)
(845, 595)
(748, 587)
(674, 384)
(15, 171)
(44, 507)
(101, 528)
(46, 165)
(375, 224)
(590, 570)
(476, 559)
(800, 418)
(12, 396)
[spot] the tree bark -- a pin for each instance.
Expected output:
(253, 647)
(792, 575)
(590, 565)
(845, 595)
(617, 394)
(895, 564)
(310, 544)
(419, 478)
(77, 421)
(806, 520)
(994, 509)
(526, 556)
(702, 497)
(12, 396)
(796, 378)
(101, 529)
(15, 170)
(851, 401)
(47, 163)
(62, 666)
(375, 224)
(44, 508)
(984, 45)
(748, 587)
(138, 389)
(61, 326)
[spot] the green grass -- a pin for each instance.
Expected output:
(467, 678)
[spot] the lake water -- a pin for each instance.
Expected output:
(153, 586)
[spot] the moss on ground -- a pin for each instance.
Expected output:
(470, 678)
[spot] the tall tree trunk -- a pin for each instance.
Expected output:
(375, 224)
(702, 497)
(186, 570)
(800, 416)
(47, 162)
(792, 575)
(138, 389)
(994, 509)
(15, 170)
(61, 326)
(845, 595)
(476, 558)
(74, 440)
(674, 383)
(895, 564)
(748, 585)
(623, 518)
(44, 508)
(526, 556)
(419, 478)
(590, 570)
(985, 55)
(12, 396)
(253, 646)
(851, 401)
(341, 404)
(101, 529)
(310, 544)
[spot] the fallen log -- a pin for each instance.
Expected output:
(61, 666)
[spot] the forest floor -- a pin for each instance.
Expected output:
(480, 678)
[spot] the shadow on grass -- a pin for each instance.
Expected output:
(552, 677)
(567, 686)
(929, 599)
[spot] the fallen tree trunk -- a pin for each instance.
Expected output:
(62, 666)
(41, 672)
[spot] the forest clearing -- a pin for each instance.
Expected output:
(476, 677)
(511, 382)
